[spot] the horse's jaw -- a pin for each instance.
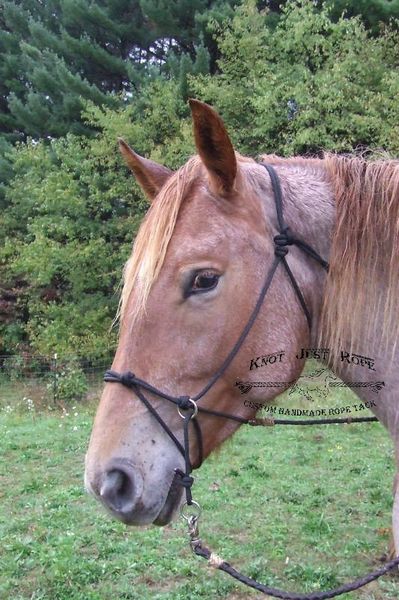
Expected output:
(172, 503)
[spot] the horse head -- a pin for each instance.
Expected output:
(197, 267)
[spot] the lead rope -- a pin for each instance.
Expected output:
(190, 409)
(217, 562)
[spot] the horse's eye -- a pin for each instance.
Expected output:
(204, 281)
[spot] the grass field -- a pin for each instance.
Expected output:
(299, 508)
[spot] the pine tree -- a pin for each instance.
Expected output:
(60, 53)
(55, 55)
(186, 22)
(202, 61)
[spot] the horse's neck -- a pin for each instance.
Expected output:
(310, 212)
(379, 367)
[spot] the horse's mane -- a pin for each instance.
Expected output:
(363, 283)
(364, 253)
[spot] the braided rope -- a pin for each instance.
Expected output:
(217, 562)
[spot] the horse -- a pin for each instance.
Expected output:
(196, 269)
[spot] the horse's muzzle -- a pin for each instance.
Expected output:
(119, 487)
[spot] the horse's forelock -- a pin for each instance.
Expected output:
(153, 237)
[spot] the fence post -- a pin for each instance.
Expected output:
(55, 378)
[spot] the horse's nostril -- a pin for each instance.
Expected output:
(118, 490)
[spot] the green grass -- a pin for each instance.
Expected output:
(299, 508)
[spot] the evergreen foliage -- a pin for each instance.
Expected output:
(373, 13)
(60, 53)
(57, 55)
(69, 224)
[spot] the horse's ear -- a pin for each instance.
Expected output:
(150, 175)
(214, 146)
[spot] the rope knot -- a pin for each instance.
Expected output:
(186, 481)
(280, 251)
(215, 560)
(281, 241)
(184, 402)
(127, 378)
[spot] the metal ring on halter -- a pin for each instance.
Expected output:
(191, 515)
(183, 416)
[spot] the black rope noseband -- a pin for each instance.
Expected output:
(188, 407)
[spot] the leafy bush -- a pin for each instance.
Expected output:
(71, 383)
(311, 83)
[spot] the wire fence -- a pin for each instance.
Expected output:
(49, 381)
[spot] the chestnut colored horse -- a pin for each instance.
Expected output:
(196, 270)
